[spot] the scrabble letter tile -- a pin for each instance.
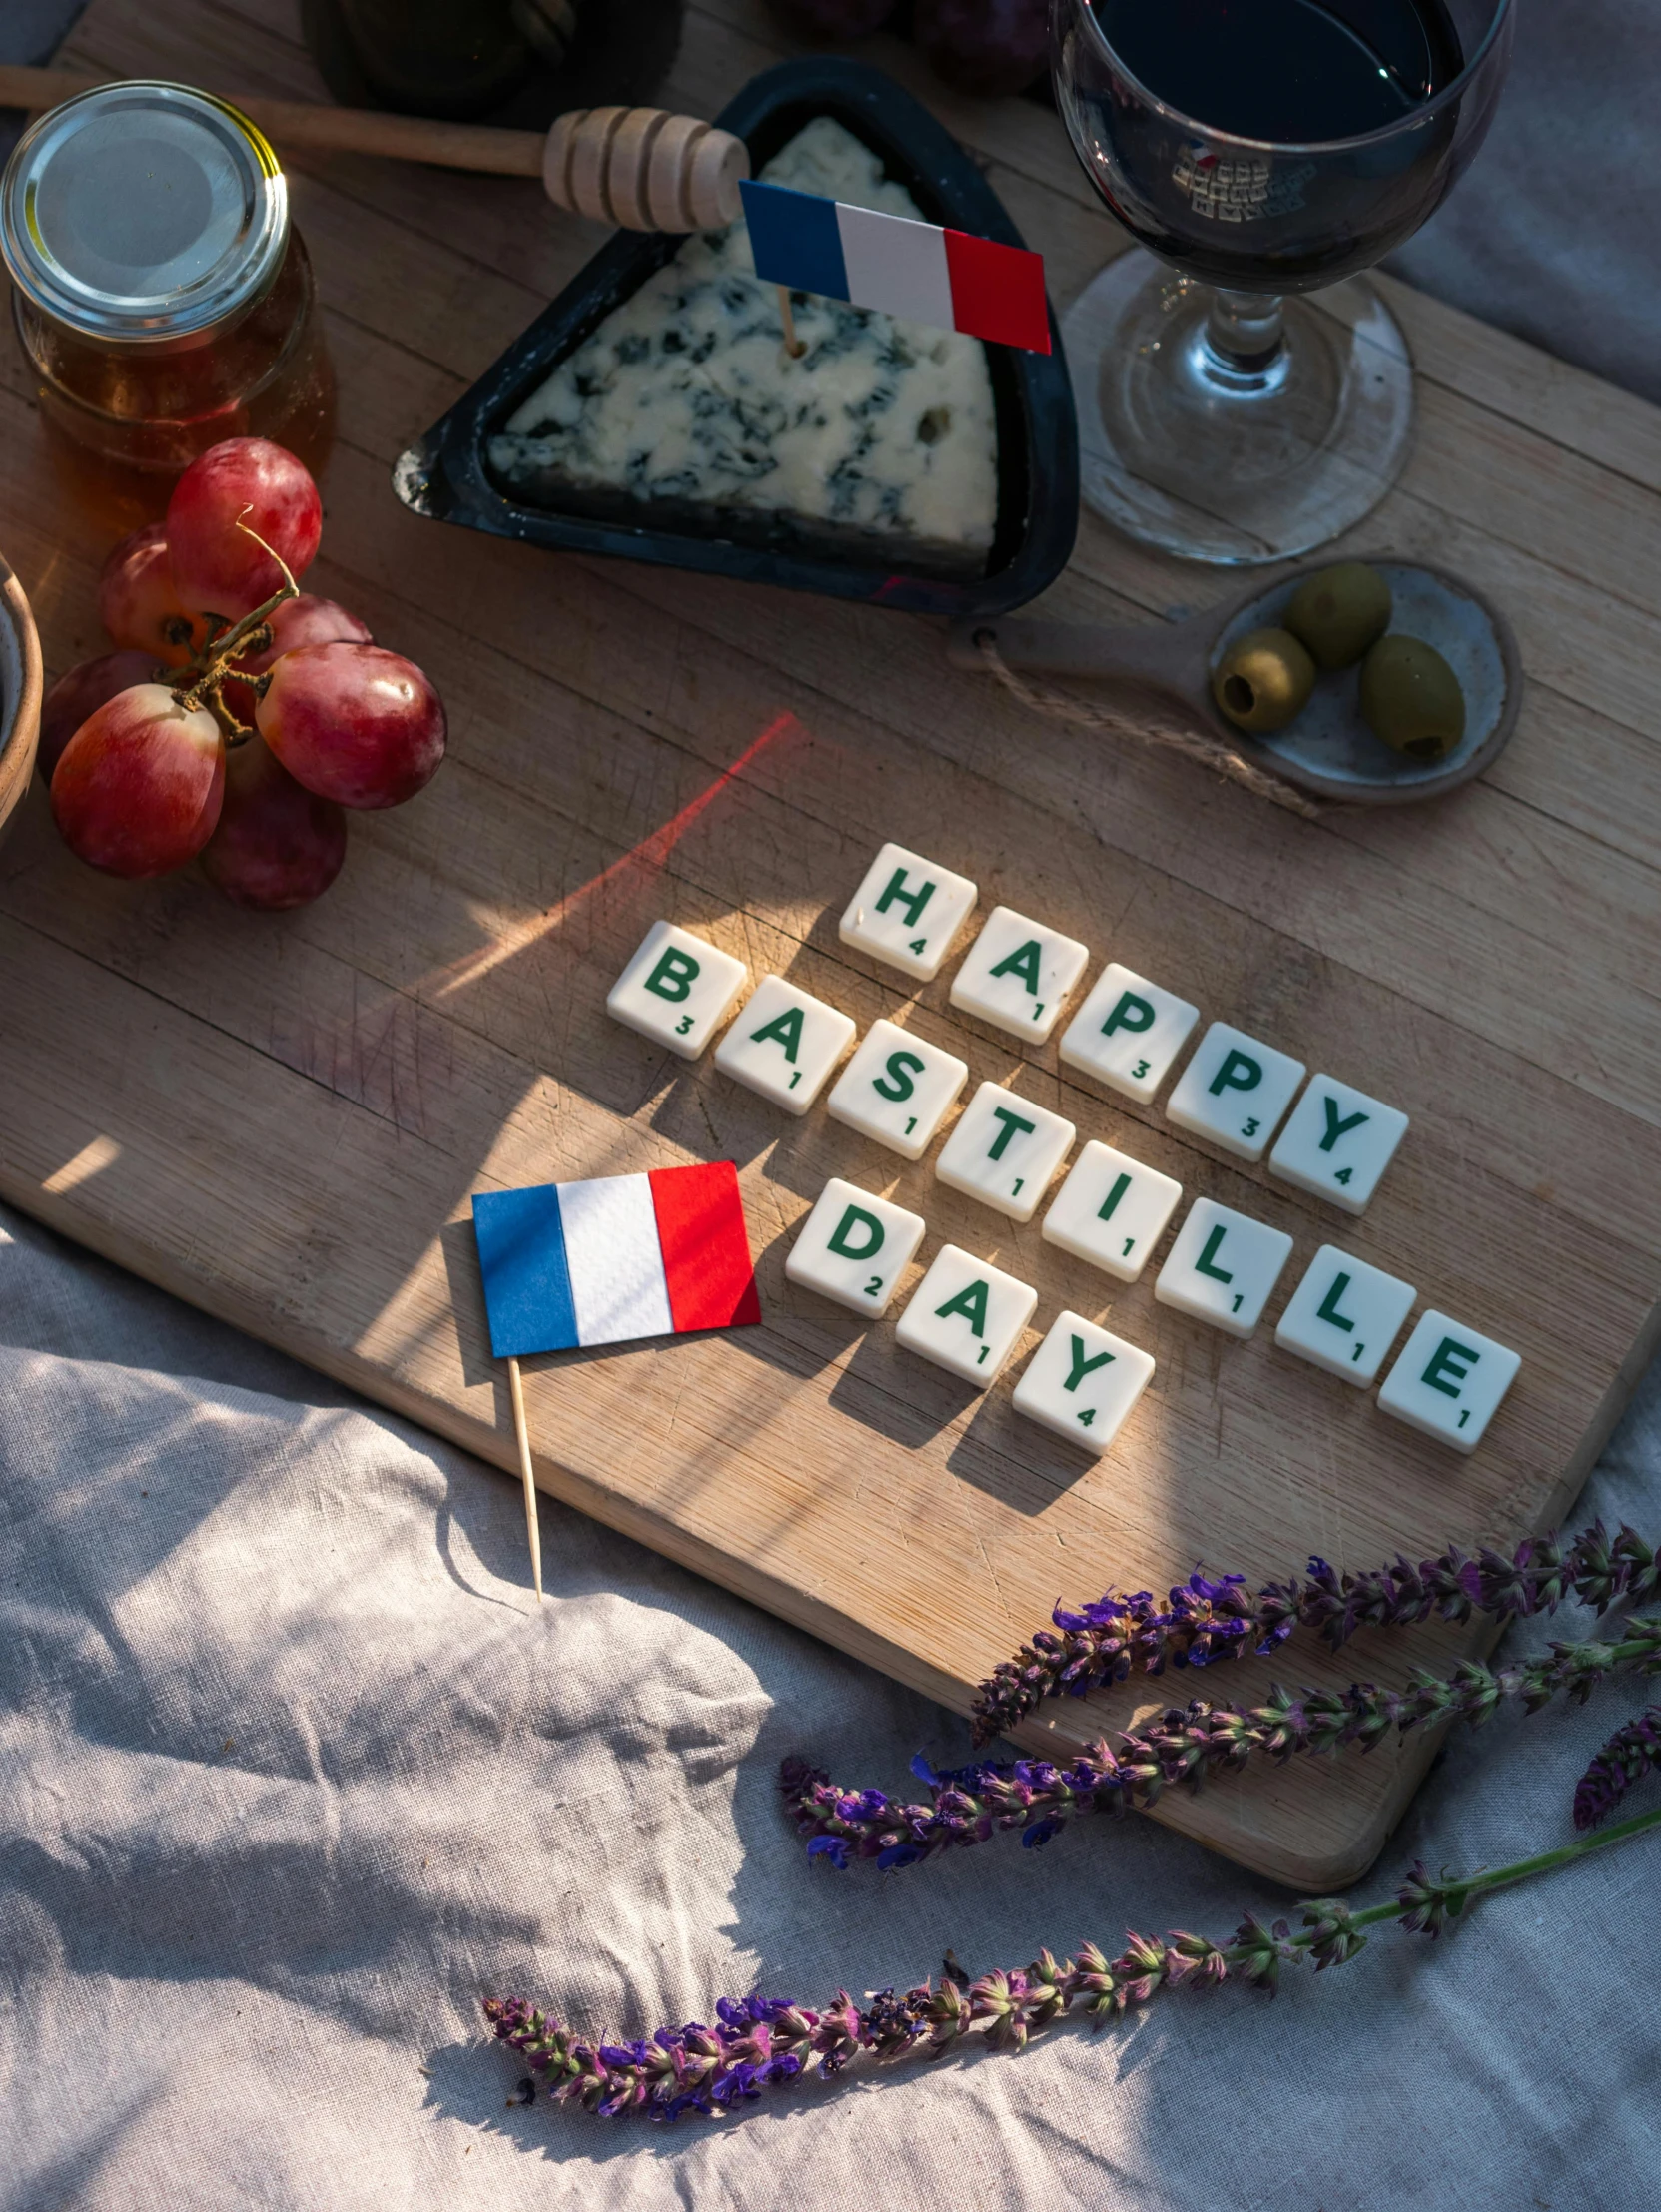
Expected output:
(1235, 1091)
(1448, 1381)
(1112, 1211)
(966, 1315)
(1223, 1268)
(784, 1044)
(1337, 1144)
(1018, 975)
(1345, 1315)
(854, 1247)
(1082, 1383)
(1005, 1152)
(907, 912)
(1128, 1033)
(677, 990)
(896, 1088)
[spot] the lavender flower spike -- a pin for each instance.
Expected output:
(1203, 1621)
(1629, 1754)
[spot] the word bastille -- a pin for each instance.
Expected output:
(966, 1315)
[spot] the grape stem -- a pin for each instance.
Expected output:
(201, 679)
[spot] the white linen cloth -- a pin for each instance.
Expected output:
(291, 1771)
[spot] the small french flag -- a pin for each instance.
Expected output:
(614, 1258)
(912, 269)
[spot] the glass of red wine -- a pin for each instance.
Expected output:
(1243, 395)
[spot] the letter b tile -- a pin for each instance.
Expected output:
(677, 990)
(1235, 1091)
(854, 1247)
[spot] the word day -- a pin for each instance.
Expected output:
(1322, 1136)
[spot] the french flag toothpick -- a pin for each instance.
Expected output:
(609, 1261)
(915, 271)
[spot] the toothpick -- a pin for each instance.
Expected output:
(793, 346)
(521, 1431)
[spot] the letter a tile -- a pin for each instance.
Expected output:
(966, 1315)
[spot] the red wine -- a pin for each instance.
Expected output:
(1289, 71)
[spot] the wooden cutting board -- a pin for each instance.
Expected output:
(284, 1120)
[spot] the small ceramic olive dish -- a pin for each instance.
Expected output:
(21, 689)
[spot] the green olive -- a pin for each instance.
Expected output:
(1411, 698)
(1338, 614)
(1263, 680)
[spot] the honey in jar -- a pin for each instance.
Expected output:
(162, 297)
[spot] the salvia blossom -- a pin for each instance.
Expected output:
(1186, 1744)
(1208, 1619)
(758, 2044)
(1630, 1753)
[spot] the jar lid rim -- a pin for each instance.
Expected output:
(143, 210)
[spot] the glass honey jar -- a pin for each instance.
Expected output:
(162, 297)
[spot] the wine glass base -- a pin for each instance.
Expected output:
(1240, 468)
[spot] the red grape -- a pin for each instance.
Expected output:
(217, 567)
(277, 845)
(835, 18)
(985, 46)
(75, 695)
(352, 723)
(302, 621)
(138, 602)
(137, 788)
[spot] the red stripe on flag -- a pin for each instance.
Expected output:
(705, 1245)
(996, 291)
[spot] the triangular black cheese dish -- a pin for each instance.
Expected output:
(451, 474)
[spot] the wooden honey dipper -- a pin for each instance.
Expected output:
(642, 168)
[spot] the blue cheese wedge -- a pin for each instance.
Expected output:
(685, 402)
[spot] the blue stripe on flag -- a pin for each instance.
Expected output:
(795, 239)
(527, 1284)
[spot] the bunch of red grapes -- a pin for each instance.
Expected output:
(985, 47)
(240, 717)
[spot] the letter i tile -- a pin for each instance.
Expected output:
(1082, 1383)
(1345, 1315)
(1223, 1268)
(966, 1316)
(1235, 1091)
(854, 1247)
(1018, 975)
(1448, 1381)
(1112, 1211)
(907, 911)
(677, 990)
(784, 1044)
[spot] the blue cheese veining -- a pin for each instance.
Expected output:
(685, 396)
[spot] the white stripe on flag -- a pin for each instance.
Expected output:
(616, 1263)
(896, 264)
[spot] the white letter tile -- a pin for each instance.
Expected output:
(1082, 1383)
(1448, 1381)
(677, 990)
(854, 1247)
(1345, 1315)
(1337, 1144)
(1111, 1210)
(907, 912)
(966, 1316)
(1235, 1091)
(1223, 1268)
(1005, 1152)
(1128, 1033)
(784, 1044)
(1017, 975)
(896, 1090)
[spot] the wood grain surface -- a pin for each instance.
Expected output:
(284, 1120)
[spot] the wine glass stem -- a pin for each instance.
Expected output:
(1245, 339)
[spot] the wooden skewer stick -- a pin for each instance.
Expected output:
(795, 346)
(642, 168)
(521, 1430)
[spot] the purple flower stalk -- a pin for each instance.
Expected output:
(759, 2043)
(1629, 1754)
(1203, 1620)
(1186, 1744)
